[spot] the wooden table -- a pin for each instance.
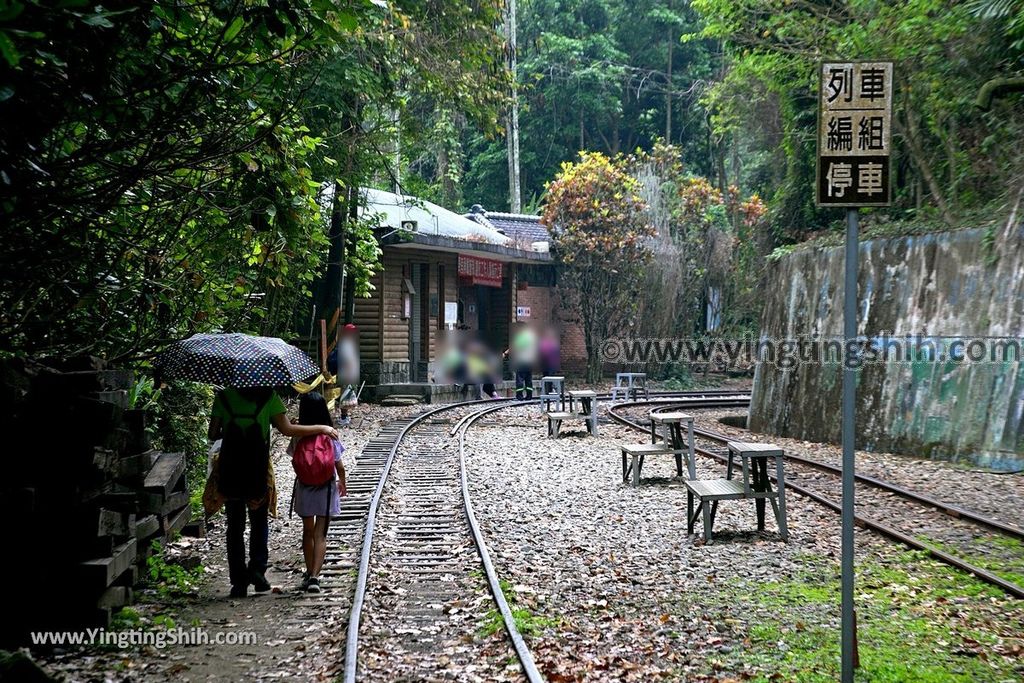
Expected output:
(672, 423)
(756, 484)
(672, 443)
(552, 389)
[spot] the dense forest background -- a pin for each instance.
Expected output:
(731, 84)
(163, 164)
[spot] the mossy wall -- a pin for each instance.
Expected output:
(961, 284)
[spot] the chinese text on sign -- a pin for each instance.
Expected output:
(854, 134)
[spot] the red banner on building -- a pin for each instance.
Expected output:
(480, 271)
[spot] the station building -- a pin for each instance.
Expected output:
(440, 270)
(482, 271)
(538, 299)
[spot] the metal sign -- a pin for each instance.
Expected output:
(855, 134)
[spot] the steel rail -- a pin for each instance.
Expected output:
(949, 509)
(954, 511)
(355, 613)
(522, 650)
(860, 520)
(728, 397)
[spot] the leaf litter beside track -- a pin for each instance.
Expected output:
(980, 491)
(636, 599)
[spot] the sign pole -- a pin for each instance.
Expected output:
(854, 154)
(849, 625)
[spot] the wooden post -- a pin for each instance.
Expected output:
(322, 346)
(337, 361)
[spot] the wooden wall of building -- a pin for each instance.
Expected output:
(395, 338)
(394, 343)
(367, 318)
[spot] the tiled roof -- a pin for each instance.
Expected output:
(521, 227)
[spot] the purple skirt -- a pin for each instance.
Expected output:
(317, 501)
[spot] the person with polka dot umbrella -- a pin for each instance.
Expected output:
(235, 360)
(241, 478)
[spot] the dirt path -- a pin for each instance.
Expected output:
(293, 637)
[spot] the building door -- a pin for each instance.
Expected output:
(415, 325)
(419, 327)
(483, 314)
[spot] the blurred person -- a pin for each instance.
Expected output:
(549, 350)
(344, 362)
(452, 356)
(481, 365)
(523, 353)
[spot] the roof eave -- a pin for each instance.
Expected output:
(497, 252)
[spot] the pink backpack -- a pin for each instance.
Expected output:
(313, 460)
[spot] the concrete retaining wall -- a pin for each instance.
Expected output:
(955, 284)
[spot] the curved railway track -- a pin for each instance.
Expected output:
(717, 452)
(411, 487)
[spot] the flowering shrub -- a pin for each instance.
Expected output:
(601, 239)
(698, 199)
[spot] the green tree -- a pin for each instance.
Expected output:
(947, 159)
(394, 84)
(709, 244)
(161, 164)
(604, 75)
(156, 169)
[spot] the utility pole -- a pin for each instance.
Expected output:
(850, 177)
(668, 89)
(512, 120)
(848, 617)
(396, 172)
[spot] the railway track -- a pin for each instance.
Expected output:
(424, 577)
(957, 522)
(409, 531)
(423, 563)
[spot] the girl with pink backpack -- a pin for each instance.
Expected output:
(319, 485)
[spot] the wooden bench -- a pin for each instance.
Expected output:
(672, 443)
(755, 484)
(673, 423)
(630, 383)
(588, 406)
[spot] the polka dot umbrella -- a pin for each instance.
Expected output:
(235, 360)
